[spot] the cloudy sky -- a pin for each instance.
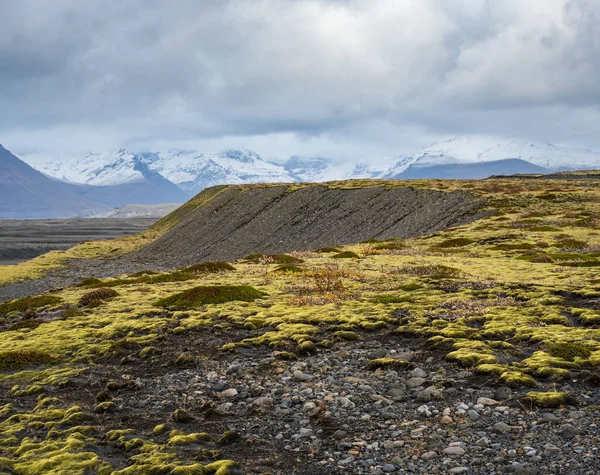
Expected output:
(342, 78)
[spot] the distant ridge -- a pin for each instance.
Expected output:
(26, 193)
(471, 171)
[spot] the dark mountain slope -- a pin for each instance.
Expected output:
(26, 193)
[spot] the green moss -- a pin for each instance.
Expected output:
(306, 347)
(552, 373)
(185, 359)
(203, 295)
(196, 438)
(346, 255)
(221, 467)
(149, 351)
(516, 379)
(570, 244)
(388, 363)
(105, 407)
(29, 303)
(391, 299)
(569, 351)
(10, 360)
(160, 429)
(490, 369)
(547, 399)
(513, 247)
(456, 242)
(469, 358)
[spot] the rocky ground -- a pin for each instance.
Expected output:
(434, 418)
(328, 413)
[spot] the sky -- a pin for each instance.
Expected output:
(346, 79)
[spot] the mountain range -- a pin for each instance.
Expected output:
(92, 183)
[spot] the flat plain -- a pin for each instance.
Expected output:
(25, 239)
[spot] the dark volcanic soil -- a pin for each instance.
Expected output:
(272, 220)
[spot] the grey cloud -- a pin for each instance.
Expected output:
(311, 67)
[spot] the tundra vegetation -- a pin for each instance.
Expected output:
(514, 296)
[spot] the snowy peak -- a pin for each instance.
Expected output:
(94, 169)
(471, 150)
(307, 168)
(193, 171)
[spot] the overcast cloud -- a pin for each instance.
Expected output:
(343, 78)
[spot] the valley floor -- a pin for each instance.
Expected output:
(25, 239)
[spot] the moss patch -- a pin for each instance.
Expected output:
(204, 295)
(29, 303)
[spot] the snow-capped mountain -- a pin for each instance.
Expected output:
(194, 171)
(171, 176)
(112, 179)
(94, 169)
(471, 150)
(315, 169)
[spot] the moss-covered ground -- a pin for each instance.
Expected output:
(514, 296)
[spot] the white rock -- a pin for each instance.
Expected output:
(231, 392)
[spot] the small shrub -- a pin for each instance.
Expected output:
(209, 268)
(285, 259)
(204, 295)
(581, 264)
(541, 259)
(346, 255)
(98, 295)
(570, 244)
(88, 282)
(20, 359)
(29, 303)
